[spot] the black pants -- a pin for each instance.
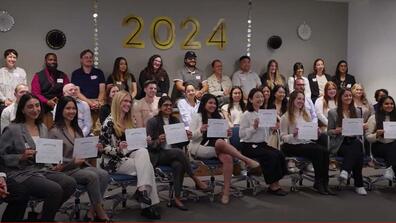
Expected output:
(272, 161)
(353, 160)
(317, 154)
(54, 189)
(17, 201)
(387, 152)
(180, 165)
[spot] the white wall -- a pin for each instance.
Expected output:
(371, 44)
(34, 19)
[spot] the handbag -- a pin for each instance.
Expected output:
(272, 140)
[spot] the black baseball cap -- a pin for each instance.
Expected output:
(190, 54)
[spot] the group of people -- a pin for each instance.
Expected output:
(57, 108)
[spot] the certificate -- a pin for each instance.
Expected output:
(136, 138)
(352, 126)
(389, 130)
(307, 130)
(49, 151)
(86, 147)
(217, 128)
(175, 133)
(267, 117)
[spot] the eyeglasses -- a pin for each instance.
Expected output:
(167, 105)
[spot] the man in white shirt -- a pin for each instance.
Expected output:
(299, 86)
(84, 112)
(8, 114)
(245, 78)
(147, 107)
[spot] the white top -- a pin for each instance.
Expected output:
(246, 131)
(186, 111)
(307, 91)
(9, 79)
(247, 81)
(310, 107)
(8, 115)
(371, 134)
(235, 113)
(322, 80)
(287, 130)
(217, 87)
(322, 113)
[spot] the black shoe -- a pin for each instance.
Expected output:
(151, 213)
(329, 191)
(320, 189)
(142, 197)
(277, 192)
(180, 207)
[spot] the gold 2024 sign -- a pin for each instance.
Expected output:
(217, 37)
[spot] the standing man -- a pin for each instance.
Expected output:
(147, 107)
(245, 78)
(91, 83)
(191, 74)
(47, 85)
(10, 77)
(9, 113)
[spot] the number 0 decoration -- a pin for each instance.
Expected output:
(218, 36)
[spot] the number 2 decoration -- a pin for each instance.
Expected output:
(218, 36)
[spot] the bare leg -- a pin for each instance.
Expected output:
(226, 159)
(223, 147)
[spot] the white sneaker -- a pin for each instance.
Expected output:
(389, 174)
(361, 191)
(343, 176)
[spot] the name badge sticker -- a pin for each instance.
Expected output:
(94, 77)
(59, 80)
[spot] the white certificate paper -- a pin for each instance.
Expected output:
(86, 147)
(136, 138)
(217, 128)
(389, 130)
(267, 117)
(307, 130)
(352, 126)
(49, 151)
(175, 133)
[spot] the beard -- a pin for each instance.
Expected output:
(52, 67)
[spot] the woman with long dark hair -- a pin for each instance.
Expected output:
(381, 146)
(122, 77)
(203, 147)
(341, 78)
(294, 146)
(253, 138)
(278, 100)
(298, 72)
(233, 111)
(267, 95)
(105, 110)
(162, 153)
(155, 71)
(17, 153)
(349, 147)
(95, 180)
(189, 105)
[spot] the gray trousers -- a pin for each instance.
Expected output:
(95, 181)
(54, 189)
(180, 165)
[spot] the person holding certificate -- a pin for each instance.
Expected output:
(188, 105)
(164, 153)
(294, 146)
(202, 146)
(117, 158)
(383, 146)
(18, 151)
(95, 180)
(349, 147)
(272, 161)
(234, 110)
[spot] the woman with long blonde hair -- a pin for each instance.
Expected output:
(272, 76)
(117, 158)
(360, 99)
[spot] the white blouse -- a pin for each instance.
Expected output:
(235, 113)
(186, 111)
(9, 79)
(247, 133)
(287, 129)
(321, 112)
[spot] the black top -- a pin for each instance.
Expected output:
(105, 111)
(122, 85)
(347, 83)
(313, 84)
(162, 83)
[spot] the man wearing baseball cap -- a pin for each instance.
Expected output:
(191, 74)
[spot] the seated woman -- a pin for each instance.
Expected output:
(341, 78)
(360, 100)
(278, 100)
(188, 105)
(95, 180)
(293, 146)
(106, 108)
(117, 159)
(325, 103)
(203, 147)
(349, 147)
(253, 137)
(234, 110)
(267, 95)
(17, 153)
(272, 76)
(381, 147)
(162, 153)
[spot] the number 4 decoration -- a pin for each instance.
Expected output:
(218, 37)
